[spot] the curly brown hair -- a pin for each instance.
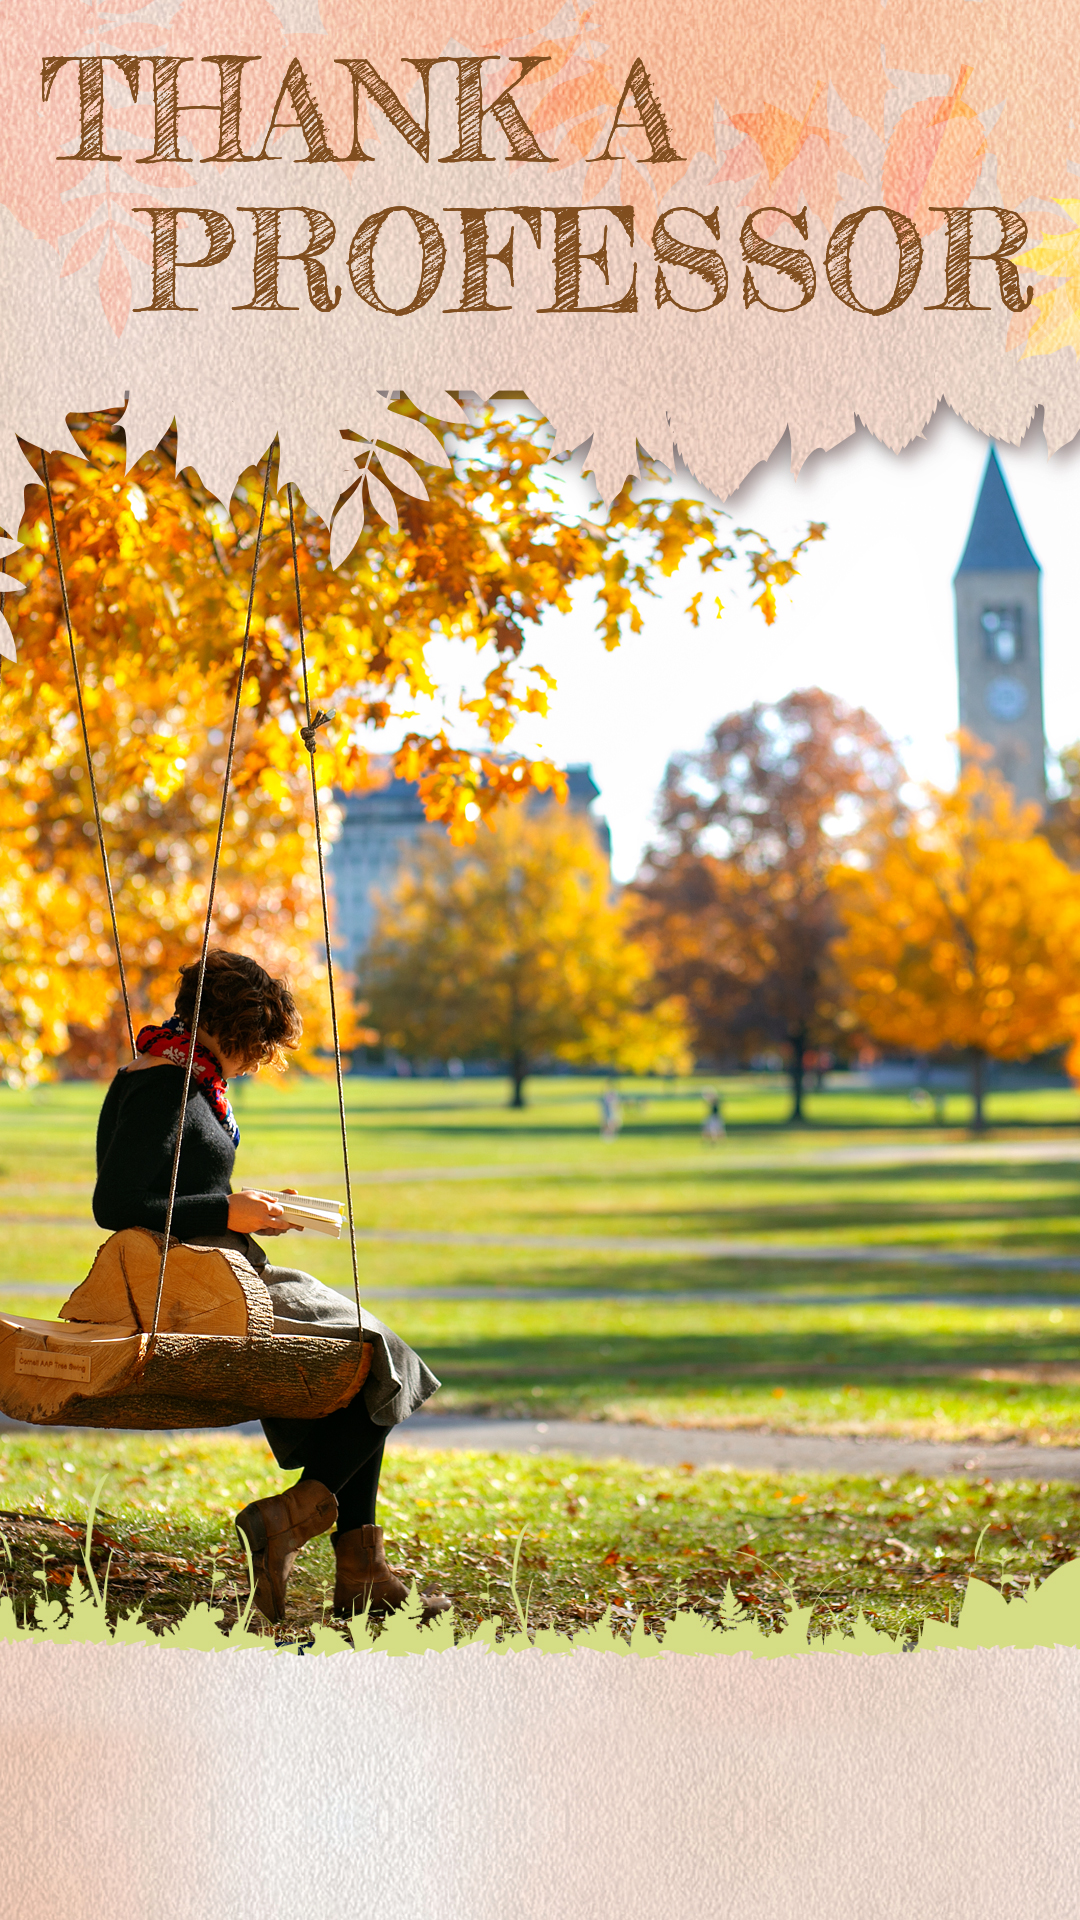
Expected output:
(254, 1016)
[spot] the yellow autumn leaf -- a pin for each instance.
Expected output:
(1056, 309)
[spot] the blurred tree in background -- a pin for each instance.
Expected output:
(512, 950)
(1061, 823)
(468, 539)
(963, 932)
(734, 900)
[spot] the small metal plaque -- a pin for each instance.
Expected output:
(54, 1366)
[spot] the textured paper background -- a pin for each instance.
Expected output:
(140, 1783)
(468, 1786)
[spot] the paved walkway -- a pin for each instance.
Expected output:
(657, 1296)
(739, 1449)
(736, 1449)
(733, 1157)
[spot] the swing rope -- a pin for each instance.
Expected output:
(89, 758)
(226, 783)
(308, 735)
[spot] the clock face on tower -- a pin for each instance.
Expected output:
(1006, 699)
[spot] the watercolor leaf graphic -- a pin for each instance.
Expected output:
(934, 156)
(1056, 310)
(784, 155)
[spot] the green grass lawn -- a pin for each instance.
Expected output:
(455, 1193)
(483, 1200)
(640, 1541)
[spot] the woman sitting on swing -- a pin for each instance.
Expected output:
(247, 1020)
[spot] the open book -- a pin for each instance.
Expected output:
(302, 1210)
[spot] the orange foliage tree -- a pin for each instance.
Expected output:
(735, 898)
(963, 933)
(514, 951)
(467, 539)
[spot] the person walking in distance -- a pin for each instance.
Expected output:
(610, 1112)
(713, 1129)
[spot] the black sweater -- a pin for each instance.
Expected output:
(136, 1139)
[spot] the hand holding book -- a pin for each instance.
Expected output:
(301, 1210)
(254, 1211)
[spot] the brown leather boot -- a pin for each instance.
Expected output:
(362, 1572)
(276, 1529)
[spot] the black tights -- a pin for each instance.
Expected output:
(345, 1452)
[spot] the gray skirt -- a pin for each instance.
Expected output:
(398, 1382)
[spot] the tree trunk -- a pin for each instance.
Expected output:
(519, 1067)
(798, 1077)
(978, 1090)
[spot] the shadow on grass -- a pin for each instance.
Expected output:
(781, 1357)
(794, 1283)
(798, 1216)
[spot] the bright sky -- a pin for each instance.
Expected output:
(870, 617)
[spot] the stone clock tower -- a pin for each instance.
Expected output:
(999, 640)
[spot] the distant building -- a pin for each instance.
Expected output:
(378, 829)
(999, 640)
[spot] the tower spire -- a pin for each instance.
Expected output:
(997, 542)
(999, 639)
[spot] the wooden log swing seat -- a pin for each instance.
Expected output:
(215, 1359)
(162, 1335)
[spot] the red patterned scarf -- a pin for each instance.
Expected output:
(171, 1042)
